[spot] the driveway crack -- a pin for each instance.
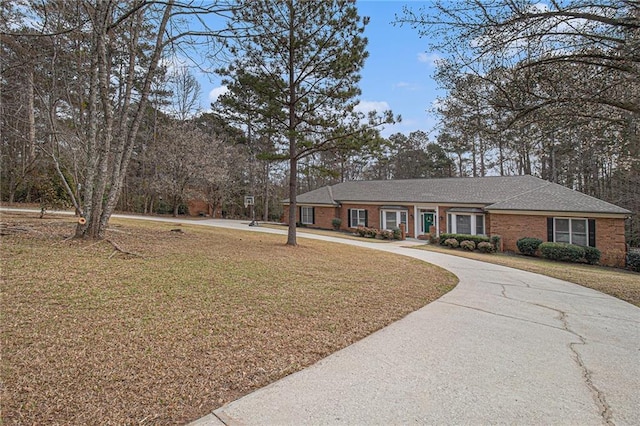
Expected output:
(598, 395)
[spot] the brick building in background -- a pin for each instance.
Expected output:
(510, 206)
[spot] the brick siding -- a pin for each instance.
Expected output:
(609, 234)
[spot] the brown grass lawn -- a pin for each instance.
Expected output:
(619, 283)
(192, 320)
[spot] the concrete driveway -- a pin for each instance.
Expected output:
(504, 347)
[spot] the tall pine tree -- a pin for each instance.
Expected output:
(306, 57)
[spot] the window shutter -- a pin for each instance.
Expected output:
(299, 214)
(313, 215)
(550, 229)
(366, 218)
(592, 232)
(349, 218)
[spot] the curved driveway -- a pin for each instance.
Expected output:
(504, 347)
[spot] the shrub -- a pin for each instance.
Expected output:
(486, 247)
(366, 232)
(468, 245)
(495, 240)
(633, 260)
(336, 222)
(591, 255)
(451, 243)
(397, 234)
(385, 234)
(528, 245)
(463, 237)
(562, 251)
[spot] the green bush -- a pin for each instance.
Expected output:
(336, 222)
(591, 255)
(495, 240)
(451, 243)
(633, 261)
(562, 251)
(528, 245)
(463, 237)
(486, 247)
(468, 245)
(397, 234)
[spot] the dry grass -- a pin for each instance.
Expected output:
(328, 233)
(193, 320)
(619, 283)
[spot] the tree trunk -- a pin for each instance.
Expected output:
(293, 205)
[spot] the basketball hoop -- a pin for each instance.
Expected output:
(248, 201)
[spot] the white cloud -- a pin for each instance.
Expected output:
(412, 87)
(430, 59)
(368, 106)
(216, 92)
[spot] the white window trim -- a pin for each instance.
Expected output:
(383, 218)
(357, 217)
(571, 219)
(302, 215)
(451, 222)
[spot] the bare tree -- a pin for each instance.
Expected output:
(123, 43)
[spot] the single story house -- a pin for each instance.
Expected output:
(509, 206)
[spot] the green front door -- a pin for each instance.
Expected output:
(427, 222)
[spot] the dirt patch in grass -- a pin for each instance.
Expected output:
(619, 283)
(190, 319)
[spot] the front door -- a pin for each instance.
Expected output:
(427, 222)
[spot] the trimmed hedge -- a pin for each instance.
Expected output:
(468, 245)
(633, 261)
(528, 245)
(591, 255)
(463, 237)
(451, 243)
(485, 247)
(562, 251)
(495, 240)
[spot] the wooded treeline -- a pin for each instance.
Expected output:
(544, 88)
(98, 112)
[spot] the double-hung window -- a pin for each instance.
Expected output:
(357, 217)
(391, 219)
(306, 215)
(465, 223)
(572, 231)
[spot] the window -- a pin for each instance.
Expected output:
(479, 225)
(357, 217)
(391, 219)
(472, 224)
(306, 215)
(572, 231)
(463, 224)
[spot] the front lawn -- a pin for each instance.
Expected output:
(180, 319)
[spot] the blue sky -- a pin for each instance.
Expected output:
(398, 73)
(399, 70)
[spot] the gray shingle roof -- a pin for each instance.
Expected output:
(494, 192)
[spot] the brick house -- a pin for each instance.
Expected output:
(510, 206)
